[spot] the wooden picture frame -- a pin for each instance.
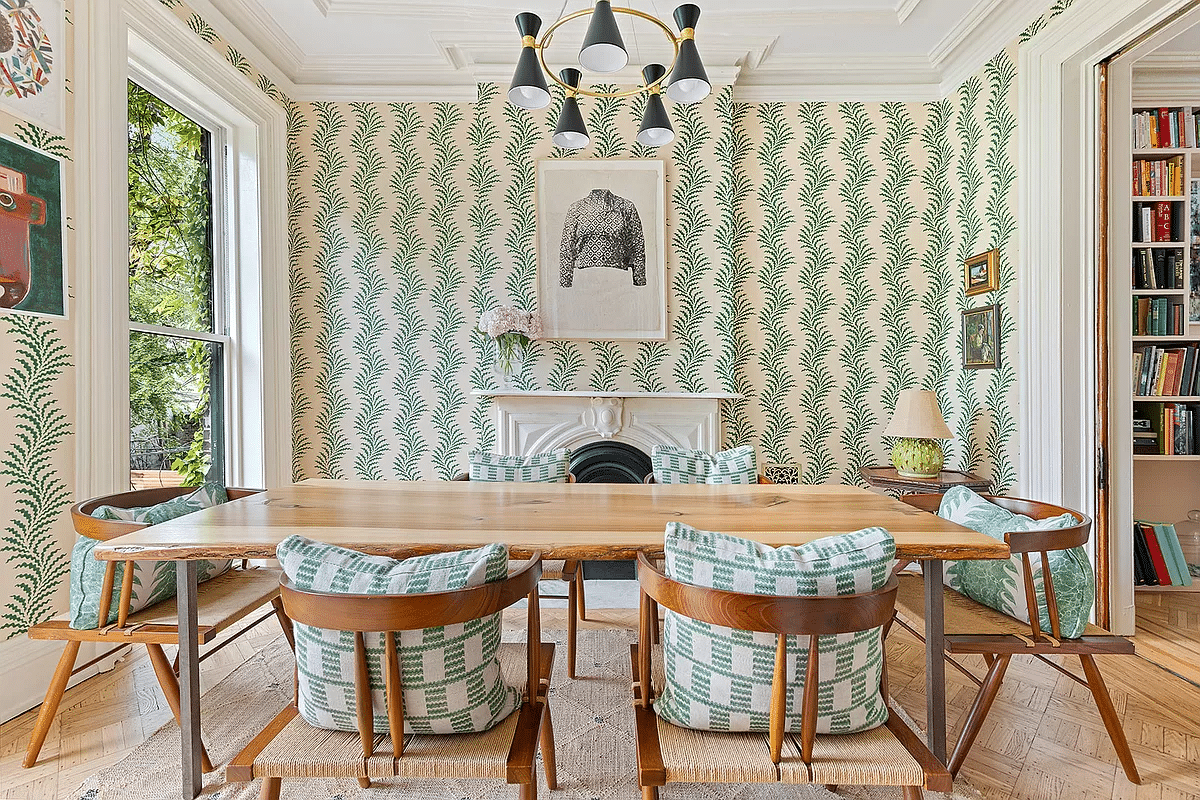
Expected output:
(981, 273)
(587, 287)
(981, 337)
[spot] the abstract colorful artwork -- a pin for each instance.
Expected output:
(32, 274)
(31, 39)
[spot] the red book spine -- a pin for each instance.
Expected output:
(1162, 222)
(1164, 128)
(1156, 555)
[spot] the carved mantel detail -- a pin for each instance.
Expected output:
(604, 416)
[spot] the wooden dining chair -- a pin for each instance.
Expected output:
(974, 628)
(288, 746)
(222, 602)
(571, 572)
(889, 755)
(762, 479)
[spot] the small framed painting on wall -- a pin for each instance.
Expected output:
(601, 249)
(981, 337)
(982, 272)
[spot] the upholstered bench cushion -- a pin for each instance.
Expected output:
(451, 676)
(681, 465)
(999, 584)
(720, 679)
(153, 581)
(550, 467)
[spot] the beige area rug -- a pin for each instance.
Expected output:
(593, 731)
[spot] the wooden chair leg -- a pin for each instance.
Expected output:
(364, 782)
(170, 689)
(831, 787)
(579, 591)
(979, 710)
(528, 791)
(649, 793)
(572, 623)
(285, 622)
(54, 693)
(270, 789)
(913, 793)
(1112, 722)
(549, 764)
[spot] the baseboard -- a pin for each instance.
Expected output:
(29, 664)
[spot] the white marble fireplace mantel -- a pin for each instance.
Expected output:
(533, 422)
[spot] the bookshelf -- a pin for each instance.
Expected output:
(1165, 305)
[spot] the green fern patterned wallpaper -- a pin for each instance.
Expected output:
(814, 263)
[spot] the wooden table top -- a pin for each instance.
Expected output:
(578, 521)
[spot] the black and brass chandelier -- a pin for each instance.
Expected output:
(603, 51)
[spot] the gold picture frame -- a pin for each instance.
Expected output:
(981, 337)
(981, 273)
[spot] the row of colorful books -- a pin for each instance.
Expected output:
(1158, 559)
(1166, 371)
(1159, 316)
(1157, 222)
(1165, 429)
(1158, 268)
(1158, 177)
(1165, 127)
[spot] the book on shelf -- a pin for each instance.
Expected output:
(1159, 316)
(1165, 127)
(1158, 268)
(1158, 177)
(1157, 221)
(1159, 555)
(1172, 429)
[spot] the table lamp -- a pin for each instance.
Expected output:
(918, 422)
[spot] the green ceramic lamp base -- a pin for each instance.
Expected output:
(918, 458)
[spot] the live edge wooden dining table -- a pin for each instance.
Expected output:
(573, 521)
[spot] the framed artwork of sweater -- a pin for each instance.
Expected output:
(601, 249)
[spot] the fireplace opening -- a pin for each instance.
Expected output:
(610, 462)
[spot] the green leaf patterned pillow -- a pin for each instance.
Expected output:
(681, 465)
(720, 678)
(551, 467)
(451, 675)
(999, 584)
(153, 581)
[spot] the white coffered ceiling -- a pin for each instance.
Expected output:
(769, 49)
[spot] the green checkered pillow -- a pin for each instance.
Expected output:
(451, 675)
(720, 678)
(551, 467)
(153, 581)
(1000, 584)
(680, 465)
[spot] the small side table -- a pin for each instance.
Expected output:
(889, 478)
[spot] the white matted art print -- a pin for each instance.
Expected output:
(601, 230)
(31, 61)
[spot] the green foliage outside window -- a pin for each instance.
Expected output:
(170, 284)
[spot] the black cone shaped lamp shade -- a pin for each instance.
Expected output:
(603, 48)
(570, 133)
(528, 89)
(689, 82)
(656, 127)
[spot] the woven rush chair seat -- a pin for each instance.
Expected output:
(972, 627)
(967, 618)
(222, 603)
(299, 750)
(876, 757)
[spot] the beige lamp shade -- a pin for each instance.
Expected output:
(917, 416)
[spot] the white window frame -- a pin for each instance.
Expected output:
(142, 41)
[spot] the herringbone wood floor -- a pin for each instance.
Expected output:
(1043, 739)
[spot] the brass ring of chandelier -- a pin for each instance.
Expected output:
(633, 12)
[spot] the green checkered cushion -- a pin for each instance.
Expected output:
(720, 678)
(999, 583)
(451, 675)
(680, 465)
(551, 467)
(153, 581)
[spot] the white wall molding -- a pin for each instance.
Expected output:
(1166, 78)
(1057, 133)
(978, 38)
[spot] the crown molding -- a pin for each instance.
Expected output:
(1167, 79)
(267, 34)
(231, 28)
(987, 30)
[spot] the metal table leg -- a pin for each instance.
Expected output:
(189, 678)
(935, 665)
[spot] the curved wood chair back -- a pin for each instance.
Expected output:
(783, 616)
(1025, 542)
(104, 529)
(466, 476)
(387, 614)
(763, 479)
